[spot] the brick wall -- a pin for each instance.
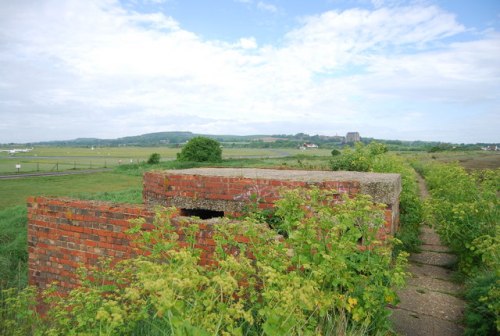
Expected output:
(65, 233)
(228, 194)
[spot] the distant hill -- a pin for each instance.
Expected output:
(175, 139)
(149, 139)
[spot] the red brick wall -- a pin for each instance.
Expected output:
(64, 234)
(233, 193)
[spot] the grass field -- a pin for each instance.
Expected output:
(14, 192)
(467, 159)
(44, 159)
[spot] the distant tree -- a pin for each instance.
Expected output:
(201, 149)
(335, 152)
(154, 158)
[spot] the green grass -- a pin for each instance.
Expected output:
(45, 159)
(14, 192)
(467, 159)
(13, 247)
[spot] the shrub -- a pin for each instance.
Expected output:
(374, 157)
(482, 314)
(465, 209)
(201, 149)
(360, 159)
(154, 158)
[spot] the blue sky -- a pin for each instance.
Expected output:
(393, 69)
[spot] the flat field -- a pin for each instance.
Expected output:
(14, 192)
(467, 159)
(45, 159)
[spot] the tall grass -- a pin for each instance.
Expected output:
(13, 248)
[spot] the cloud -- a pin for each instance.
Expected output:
(94, 68)
(247, 43)
(267, 7)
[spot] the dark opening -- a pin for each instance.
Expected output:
(202, 213)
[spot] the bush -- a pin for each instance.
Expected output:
(465, 209)
(201, 149)
(154, 158)
(360, 159)
(374, 157)
(482, 314)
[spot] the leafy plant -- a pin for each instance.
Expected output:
(201, 149)
(154, 159)
(374, 157)
(360, 159)
(465, 209)
(482, 315)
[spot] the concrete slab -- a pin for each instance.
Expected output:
(436, 285)
(429, 303)
(430, 238)
(407, 323)
(434, 248)
(434, 258)
(431, 271)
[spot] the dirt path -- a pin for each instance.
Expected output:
(430, 303)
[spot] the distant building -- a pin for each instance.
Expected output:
(491, 148)
(308, 146)
(351, 137)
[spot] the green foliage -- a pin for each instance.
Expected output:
(201, 149)
(13, 247)
(17, 314)
(336, 152)
(374, 157)
(411, 210)
(482, 315)
(360, 159)
(154, 159)
(465, 208)
(330, 276)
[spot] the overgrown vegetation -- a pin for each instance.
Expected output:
(465, 210)
(317, 281)
(13, 248)
(374, 157)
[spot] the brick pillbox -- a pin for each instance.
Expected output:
(64, 234)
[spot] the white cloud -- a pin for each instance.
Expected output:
(264, 6)
(127, 72)
(247, 43)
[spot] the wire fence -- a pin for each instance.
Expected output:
(21, 167)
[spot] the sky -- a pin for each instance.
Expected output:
(389, 69)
